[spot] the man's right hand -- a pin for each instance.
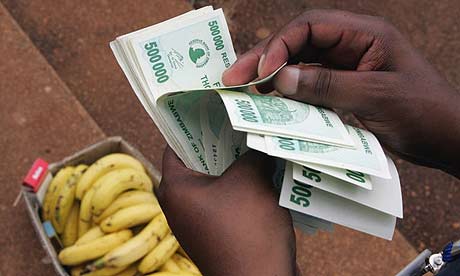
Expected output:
(370, 69)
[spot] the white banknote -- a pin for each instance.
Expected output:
(315, 202)
(271, 115)
(257, 142)
(384, 197)
(368, 157)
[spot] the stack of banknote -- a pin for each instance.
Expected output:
(330, 173)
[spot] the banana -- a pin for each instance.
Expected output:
(167, 273)
(104, 165)
(126, 199)
(77, 270)
(77, 254)
(84, 224)
(90, 235)
(185, 264)
(116, 182)
(159, 255)
(130, 216)
(106, 271)
(135, 248)
(66, 197)
(130, 271)
(170, 266)
(70, 234)
(61, 176)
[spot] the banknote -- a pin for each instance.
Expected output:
(384, 197)
(368, 157)
(309, 200)
(257, 142)
(269, 115)
(189, 55)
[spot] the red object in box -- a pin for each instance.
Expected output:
(36, 174)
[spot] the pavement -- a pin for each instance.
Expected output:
(61, 90)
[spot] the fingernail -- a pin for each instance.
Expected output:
(286, 80)
(261, 61)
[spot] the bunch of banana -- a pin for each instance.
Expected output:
(95, 210)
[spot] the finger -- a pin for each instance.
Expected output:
(175, 174)
(252, 165)
(359, 92)
(265, 87)
(338, 37)
(244, 69)
(171, 163)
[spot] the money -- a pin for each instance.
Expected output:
(384, 197)
(368, 156)
(309, 200)
(175, 69)
(257, 142)
(280, 116)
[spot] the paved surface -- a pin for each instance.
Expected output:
(73, 37)
(38, 117)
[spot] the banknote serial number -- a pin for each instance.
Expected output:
(216, 36)
(246, 111)
(155, 60)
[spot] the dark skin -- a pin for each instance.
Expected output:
(232, 225)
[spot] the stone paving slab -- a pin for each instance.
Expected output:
(39, 117)
(345, 252)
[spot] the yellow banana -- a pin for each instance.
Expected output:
(61, 176)
(90, 235)
(66, 197)
(159, 255)
(70, 234)
(104, 165)
(130, 271)
(106, 271)
(137, 247)
(130, 216)
(167, 273)
(76, 270)
(170, 266)
(185, 264)
(116, 182)
(126, 199)
(84, 223)
(77, 254)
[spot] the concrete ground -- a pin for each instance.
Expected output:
(61, 89)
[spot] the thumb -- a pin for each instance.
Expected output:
(347, 90)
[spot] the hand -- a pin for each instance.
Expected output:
(369, 70)
(229, 225)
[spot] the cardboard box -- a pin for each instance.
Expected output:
(88, 156)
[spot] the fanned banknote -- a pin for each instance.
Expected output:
(175, 69)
